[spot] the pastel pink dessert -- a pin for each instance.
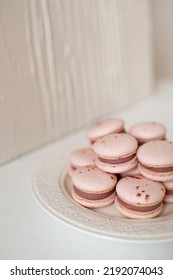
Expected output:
(93, 188)
(148, 131)
(132, 172)
(169, 191)
(105, 127)
(116, 153)
(80, 158)
(139, 198)
(156, 160)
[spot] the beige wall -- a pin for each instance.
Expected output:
(64, 63)
(162, 11)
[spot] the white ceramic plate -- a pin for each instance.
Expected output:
(52, 190)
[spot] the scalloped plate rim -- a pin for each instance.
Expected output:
(80, 227)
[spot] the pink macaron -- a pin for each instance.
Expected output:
(139, 198)
(156, 160)
(105, 127)
(92, 187)
(169, 191)
(116, 153)
(80, 158)
(132, 172)
(148, 131)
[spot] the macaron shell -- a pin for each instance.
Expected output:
(138, 215)
(156, 153)
(93, 203)
(93, 180)
(116, 168)
(132, 172)
(115, 145)
(169, 186)
(168, 198)
(156, 176)
(82, 157)
(139, 190)
(104, 127)
(148, 131)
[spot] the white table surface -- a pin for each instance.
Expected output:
(28, 232)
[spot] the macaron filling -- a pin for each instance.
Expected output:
(138, 208)
(169, 192)
(158, 169)
(93, 196)
(117, 161)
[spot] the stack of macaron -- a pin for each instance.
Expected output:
(131, 168)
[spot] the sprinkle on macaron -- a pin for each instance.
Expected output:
(139, 197)
(81, 158)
